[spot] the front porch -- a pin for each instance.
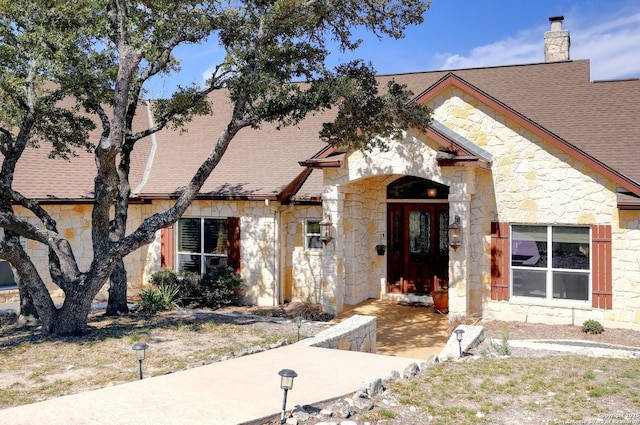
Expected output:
(404, 329)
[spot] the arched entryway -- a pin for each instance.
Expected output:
(417, 226)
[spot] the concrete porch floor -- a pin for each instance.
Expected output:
(403, 330)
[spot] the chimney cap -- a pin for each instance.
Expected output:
(556, 18)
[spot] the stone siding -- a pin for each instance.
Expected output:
(534, 182)
(302, 267)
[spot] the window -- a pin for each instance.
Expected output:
(6, 273)
(551, 262)
(202, 244)
(312, 234)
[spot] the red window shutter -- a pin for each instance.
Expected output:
(166, 248)
(601, 280)
(233, 241)
(500, 261)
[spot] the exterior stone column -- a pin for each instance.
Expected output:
(459, 205)
(333, 275)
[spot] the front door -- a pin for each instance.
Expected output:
(418, 251)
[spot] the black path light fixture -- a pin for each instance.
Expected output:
(325, 229)
(459, 333)
(140, 348)
(286, 383)
(455, 233)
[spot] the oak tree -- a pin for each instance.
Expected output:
(101, 53)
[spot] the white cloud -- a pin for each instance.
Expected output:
(612, 44)
(513, 50)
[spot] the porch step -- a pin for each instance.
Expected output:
(424, 299)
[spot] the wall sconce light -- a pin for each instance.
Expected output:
(455, 234)
(286, 383)
(459, 334)
(325, 229)
(432, 192)
(139, 348)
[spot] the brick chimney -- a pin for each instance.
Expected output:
(556, 41)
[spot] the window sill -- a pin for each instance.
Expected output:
(535, 302)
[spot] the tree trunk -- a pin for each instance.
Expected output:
(28, 313)
(117, 303)
(72, 317)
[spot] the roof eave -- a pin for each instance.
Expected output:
(451, 79)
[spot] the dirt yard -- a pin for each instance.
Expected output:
(37, 367)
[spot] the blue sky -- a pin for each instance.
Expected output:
(476, 33)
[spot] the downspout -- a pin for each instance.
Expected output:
(277, 290)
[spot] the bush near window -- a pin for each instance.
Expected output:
(158, 298)
(592, 327)
(221, 287)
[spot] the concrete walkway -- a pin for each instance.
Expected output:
(232, 392)
(246, 389)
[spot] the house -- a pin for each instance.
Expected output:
(536, 166)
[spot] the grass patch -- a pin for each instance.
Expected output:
(557, 388)
(37, 367)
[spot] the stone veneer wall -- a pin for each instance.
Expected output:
(533, 182)
(259, 239)
(357, 333)
(302, 268)
(74, 221)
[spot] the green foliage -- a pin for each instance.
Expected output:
(186, 285)
(220, 287)
(592, 327)
(158, 298)
(150, 301)
(164, 277)
(95, 57)
(367, 119)
(501, 348)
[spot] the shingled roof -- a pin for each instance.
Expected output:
(600, 119)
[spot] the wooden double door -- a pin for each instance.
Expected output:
(417, 247)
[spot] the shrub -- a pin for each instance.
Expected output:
(220, 287)
(150, 300)
(309, 311)
(501, 348)
(162, 295)
(164, 276)
(592, 327)
(187, 284)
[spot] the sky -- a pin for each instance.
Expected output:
(460, 34)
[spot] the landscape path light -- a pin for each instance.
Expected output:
(140, 348)
(459, 333)
(286, 383)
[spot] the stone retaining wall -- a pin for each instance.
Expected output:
(357, 333)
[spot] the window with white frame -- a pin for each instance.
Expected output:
(6, 273)
(312, 240)
(551, 262)
(201, 244)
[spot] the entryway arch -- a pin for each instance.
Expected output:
(417, 228)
